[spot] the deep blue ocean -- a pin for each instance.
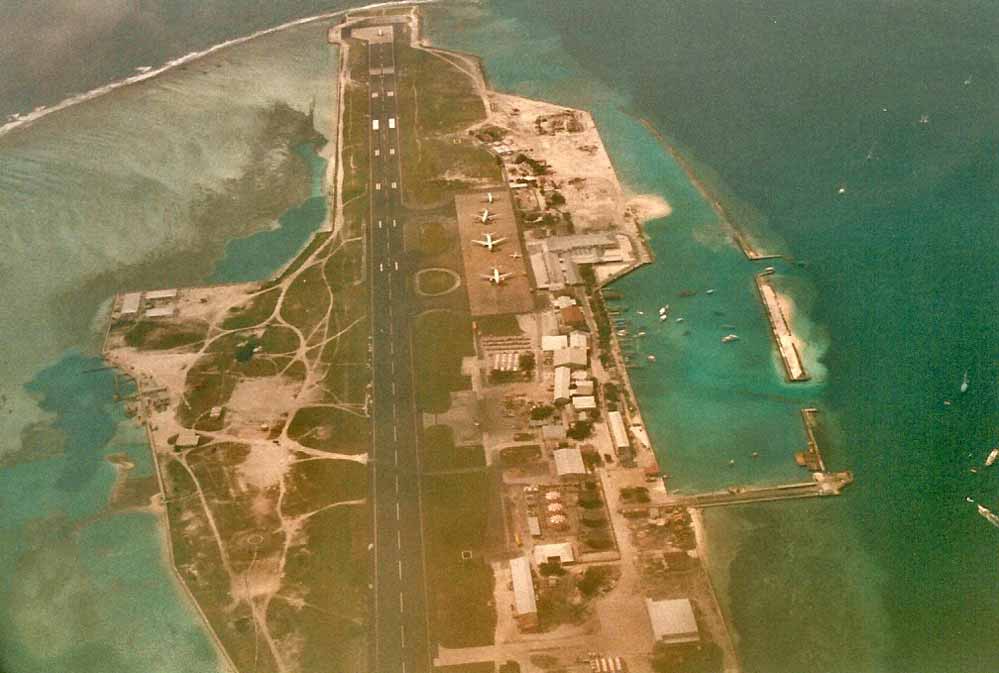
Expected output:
(780, 104)
(860, 139)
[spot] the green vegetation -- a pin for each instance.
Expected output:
(330, 429)
(541, 412)
(440, 453)
(356, 124)
(254, 312)
(434, 281)
(594, 579)
(434, 239)
(478, 667)
(687, 658)
(306, 300)
(149, 335)
(519, 455)
(441, 101)
(440, 340)
(580, 430)
(456, 508)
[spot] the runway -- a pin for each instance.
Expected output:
(399, 640)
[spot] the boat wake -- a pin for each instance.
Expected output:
(17, 121)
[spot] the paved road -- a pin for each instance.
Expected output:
(400, 636)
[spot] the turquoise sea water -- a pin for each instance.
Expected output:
(156, 185)
(780, 104)
(259, 255)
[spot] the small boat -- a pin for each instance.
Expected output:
(663, 310)
(992, 457)
(651, 358)
(946, 403)
(769, 270)
(641, 333)
(968, 498)
(729, 338)
(709, 291)
(989, 515)
(756, 454)
(679, 319)
(964, 382)
(731, 463)
(640, 312)
(663, 318)
(925, 119)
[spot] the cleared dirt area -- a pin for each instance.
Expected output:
(254, 397)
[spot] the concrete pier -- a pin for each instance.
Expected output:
(794, 367)
(822, 484)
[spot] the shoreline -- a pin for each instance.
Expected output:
(741, 237)
(26, 119)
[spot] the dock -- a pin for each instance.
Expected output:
(822, 484)
(794, 367)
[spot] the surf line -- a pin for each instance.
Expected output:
(23, 120)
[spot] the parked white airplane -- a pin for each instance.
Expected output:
(485, 216)
(489, 243)
(496, 277)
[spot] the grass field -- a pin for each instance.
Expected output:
(441, 101)
(440, 340)
(456, 509)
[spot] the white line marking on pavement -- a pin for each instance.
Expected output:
(397, 483)
(400, 568)
(398, 516)
(398, 539)
(401, 608)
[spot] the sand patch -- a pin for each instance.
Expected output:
(265, 466)
(647, 207)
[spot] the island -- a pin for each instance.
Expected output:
(416, 447)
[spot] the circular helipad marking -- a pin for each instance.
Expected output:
(436, 281)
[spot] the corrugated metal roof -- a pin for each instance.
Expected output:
(618, 432)
(523, 586)
(569, 461)
(672, 620)
(130, 303)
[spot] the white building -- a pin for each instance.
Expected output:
(618, 432)
(672, 621)
(525, 607)
(130, 303)
(569, 462)
(161, 294)
(560, 552)
(563, 377)
(554, 342)
(570, 357)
